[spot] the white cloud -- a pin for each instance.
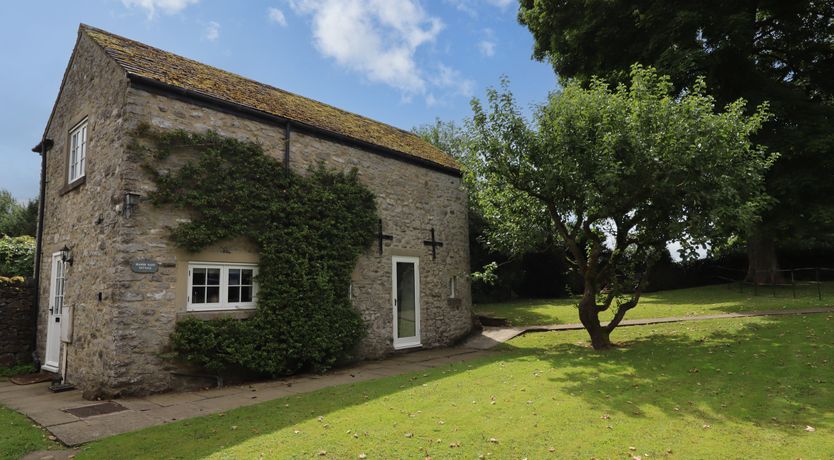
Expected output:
(166, 6)
(449, 78)
(277, 16)
(472, 7)
(212, 32)
(502, 3)
(376, 38)
(487, 44)
(487, 48)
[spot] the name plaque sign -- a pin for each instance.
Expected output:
(144, 266)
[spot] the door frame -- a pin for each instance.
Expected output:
(53, 327)
(407, 342)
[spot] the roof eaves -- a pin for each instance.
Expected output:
(141, 81)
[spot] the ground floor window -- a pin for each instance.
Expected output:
(221, 286)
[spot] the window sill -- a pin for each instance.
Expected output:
(217, 314)
(455, 302)
(73, 185)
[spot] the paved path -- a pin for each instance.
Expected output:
(491, 336)
(49, 409)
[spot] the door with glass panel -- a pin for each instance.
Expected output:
(52, 357)
(405, 293)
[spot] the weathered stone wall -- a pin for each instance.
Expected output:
(411, 199)
(123, 320)
(86, 218)
(16, 321)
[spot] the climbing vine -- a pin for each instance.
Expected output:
(309, 230)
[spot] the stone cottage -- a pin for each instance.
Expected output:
(112, 285)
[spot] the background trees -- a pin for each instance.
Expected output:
(761, 50)
(17, 219)
(615, 175)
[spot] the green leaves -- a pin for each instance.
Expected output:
(17, 256)
(310, 230)
(617, 173)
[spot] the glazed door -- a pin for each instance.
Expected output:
(406, 298)
(52, 359)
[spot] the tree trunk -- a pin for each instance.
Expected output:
(762, 263)
(589, 316)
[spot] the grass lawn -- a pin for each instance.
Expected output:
(682, 302)
(739, 388)
(18, 434)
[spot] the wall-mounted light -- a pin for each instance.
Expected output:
(66, 255)
(130, 204)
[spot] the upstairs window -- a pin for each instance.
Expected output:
(221, 286)
(78, 152)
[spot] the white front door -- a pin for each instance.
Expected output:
(406, 297)
(52, 359)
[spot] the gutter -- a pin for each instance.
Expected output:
(146, 83)
(41, 148)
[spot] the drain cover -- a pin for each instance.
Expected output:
(108, 407)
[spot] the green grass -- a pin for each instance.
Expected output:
(682, 302)
(735, 388)
(19, 436)
(19, 369)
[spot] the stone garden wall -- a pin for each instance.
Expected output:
(16, 321)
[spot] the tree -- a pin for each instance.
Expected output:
(760, 50)
(616, 174)
(17, 219)
(445, 135)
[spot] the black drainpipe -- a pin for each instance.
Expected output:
(45, 145)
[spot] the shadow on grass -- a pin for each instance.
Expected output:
(531, 311)
(202, 436)
(732, 297)
(703, 300)
(776, 372)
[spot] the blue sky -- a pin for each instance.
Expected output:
(403, 62)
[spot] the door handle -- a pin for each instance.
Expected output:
(395, 301)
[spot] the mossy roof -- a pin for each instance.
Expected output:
(155, 64)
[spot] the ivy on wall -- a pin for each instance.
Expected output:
(309, 231)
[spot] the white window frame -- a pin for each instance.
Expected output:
(77, 152)
(224, 303)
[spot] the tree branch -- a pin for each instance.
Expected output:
(570, 240)
(623, 308)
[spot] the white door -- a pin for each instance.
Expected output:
(406, 296)
(53, 323)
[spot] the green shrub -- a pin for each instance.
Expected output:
(309, 230)
(17, 256)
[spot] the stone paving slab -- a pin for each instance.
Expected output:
(47, 408)
(51, 454)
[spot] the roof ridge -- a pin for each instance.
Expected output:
(86, 27)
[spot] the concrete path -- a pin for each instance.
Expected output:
(492, 336)
(50, 409)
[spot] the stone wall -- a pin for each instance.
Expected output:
(17, 322)
(123, 320)
(411, 200)
(86, 216)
